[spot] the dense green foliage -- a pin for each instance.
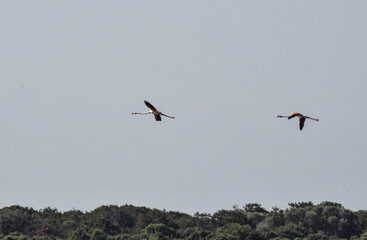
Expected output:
(252, 222)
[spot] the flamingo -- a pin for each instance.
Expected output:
(302, 118)
(157, 114)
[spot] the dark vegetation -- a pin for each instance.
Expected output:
(302, 220)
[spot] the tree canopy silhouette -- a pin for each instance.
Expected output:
(302, 220)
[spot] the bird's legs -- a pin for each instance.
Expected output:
(167, 116)
(315, 119)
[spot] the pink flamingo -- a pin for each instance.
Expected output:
(157, 114)
(302, 118)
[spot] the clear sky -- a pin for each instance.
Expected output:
(73, 71)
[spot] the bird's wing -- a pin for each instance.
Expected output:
(301, 123)
(150, 105)
(158, 117)
(294, 114)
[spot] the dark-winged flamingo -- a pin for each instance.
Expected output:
(302, 118)
(157, 114)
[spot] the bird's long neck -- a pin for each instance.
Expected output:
(142, 113)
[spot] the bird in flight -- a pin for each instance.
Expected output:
(157, 114)
(302, 118)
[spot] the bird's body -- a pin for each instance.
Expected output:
(157, 114)
(302, 118)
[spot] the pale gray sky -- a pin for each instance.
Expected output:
(73, 71)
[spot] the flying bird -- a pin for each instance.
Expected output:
(157, 114)
(302, 118)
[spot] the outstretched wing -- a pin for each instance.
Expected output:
(158, 117)
(150, 105)
(301, 123)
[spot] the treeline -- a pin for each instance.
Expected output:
(303, 220)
